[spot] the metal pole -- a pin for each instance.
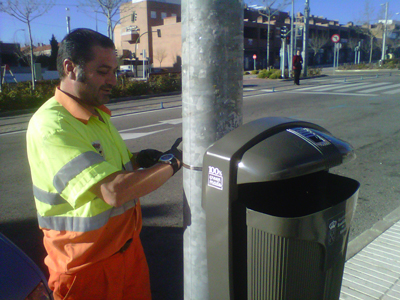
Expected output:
(384, 34)
(334, 57)
(1, 70)
(355, 55)
(291, 49)
(283, 57)
(212, 98)
(144, 63)
(305, 37)
(68, 21)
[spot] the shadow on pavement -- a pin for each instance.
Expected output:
(164, 251)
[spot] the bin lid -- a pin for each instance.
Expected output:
(292, 152)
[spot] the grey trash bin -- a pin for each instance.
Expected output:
(277, 221)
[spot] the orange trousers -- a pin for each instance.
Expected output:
(122, 276)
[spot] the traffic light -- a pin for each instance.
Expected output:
(283, 32)
(134, 16)
(159, 32)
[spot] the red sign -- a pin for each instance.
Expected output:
(335, 38)
(254, 56)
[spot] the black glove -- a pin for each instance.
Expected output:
(177, 162)
(148, 158)
(175, 151)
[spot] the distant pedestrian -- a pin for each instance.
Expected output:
(297, 66)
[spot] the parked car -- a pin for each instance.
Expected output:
(127, 73)
(20, 277)
(158, 71)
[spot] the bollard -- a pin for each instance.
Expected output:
(162, 105)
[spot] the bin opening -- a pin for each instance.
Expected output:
(298, 196)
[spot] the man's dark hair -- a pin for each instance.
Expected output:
(77, 46)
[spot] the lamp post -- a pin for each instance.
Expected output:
(15, 34)
(68, 18)
(384, 33)
(305, 37)
(291, 41)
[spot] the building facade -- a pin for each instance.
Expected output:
(154, 26)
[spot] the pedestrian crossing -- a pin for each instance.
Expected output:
(352, 88)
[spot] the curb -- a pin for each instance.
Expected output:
(369, 235)
(369, 70)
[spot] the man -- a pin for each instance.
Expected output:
(86, 183)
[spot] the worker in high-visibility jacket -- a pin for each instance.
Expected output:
(86, 183)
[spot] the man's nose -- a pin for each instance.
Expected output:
(112, 79)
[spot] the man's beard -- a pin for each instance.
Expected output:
(81, 77)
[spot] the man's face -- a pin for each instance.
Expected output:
(96, 79)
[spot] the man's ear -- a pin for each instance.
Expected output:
(69, 69)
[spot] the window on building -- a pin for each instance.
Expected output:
(163, 15)
(153, 14)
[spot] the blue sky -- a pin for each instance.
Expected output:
(54, 22)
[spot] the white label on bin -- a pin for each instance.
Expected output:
(215, 178)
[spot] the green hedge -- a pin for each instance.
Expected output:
(19, 96)
(271, 74)
(393, 63)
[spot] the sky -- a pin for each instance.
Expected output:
(54, 22)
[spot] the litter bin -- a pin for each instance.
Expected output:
(277, 221)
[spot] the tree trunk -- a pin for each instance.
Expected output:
(371, 49)
(33, 71)
(268, 34)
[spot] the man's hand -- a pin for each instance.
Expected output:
(148, 158)
(177, 153)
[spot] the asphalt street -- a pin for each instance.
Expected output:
(361, 108)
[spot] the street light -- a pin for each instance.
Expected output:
(384, 33)
(68, 19)
(15, 34)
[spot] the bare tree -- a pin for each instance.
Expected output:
(26, 11)
(366, 20)
(109, 8)
(160, 54)
(24, 55)
(352, 43)
(269, 12)
(317, 41)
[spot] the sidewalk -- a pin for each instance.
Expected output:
(374, 272)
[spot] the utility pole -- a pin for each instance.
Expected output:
(384, 34)
(1, 70)
(68, 21)
(291, 41)
(212, 98)
(305, 37)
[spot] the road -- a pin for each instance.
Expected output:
(360, 108)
